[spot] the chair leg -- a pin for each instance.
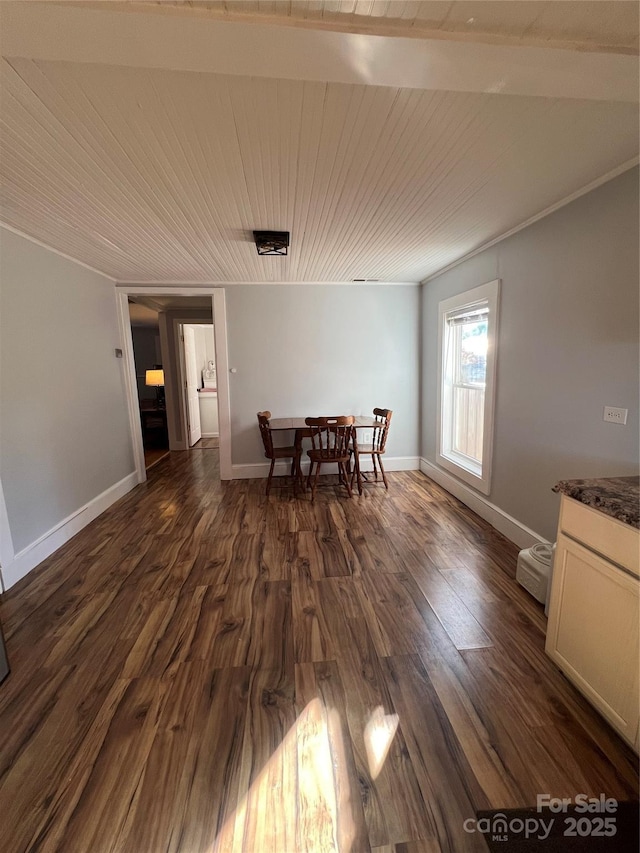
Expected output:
(309, 475)
(273, 462)
(384, 476)
(358, 472)
(346, 479)
(375, 467)
(315, 481)
(297, 446)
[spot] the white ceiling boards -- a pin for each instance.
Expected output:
(127, 148)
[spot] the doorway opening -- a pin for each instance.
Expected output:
(177, 308)
(147, 357)
(199, 381)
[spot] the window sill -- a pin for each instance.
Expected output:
(465, 470)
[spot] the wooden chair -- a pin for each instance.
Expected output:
(375, 450)
(274, 453)
(330, 439)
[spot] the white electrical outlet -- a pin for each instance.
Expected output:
(615, 416)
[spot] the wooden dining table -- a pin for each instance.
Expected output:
(362, 422)
(277, 424)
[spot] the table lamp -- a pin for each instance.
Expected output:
(155, 379)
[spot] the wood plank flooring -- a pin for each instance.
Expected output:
(207, 669)
(152, 455)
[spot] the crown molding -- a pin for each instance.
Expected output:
(205, 284)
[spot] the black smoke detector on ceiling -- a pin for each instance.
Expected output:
(271, 242)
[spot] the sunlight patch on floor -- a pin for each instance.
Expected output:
(378, 735)
(300, 800)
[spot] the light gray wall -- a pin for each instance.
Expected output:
(303, 350)
(64, 433)
(568, 346)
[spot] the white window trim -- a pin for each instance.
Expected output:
(489, 292)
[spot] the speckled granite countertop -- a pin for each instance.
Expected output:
(615, 496)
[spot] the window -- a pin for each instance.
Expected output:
(468, 326)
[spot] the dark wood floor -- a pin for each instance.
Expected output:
(153, 455)
(204, 669)
(206, 444)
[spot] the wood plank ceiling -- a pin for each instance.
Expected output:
(150, 174)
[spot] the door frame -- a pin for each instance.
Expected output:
(219, 311)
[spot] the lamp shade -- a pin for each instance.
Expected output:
(154, 377)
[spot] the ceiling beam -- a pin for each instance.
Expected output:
(42, 31)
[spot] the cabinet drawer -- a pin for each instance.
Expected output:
(619, 542)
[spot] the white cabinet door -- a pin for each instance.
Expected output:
(209, 414)
(191, 369)
(593, 632)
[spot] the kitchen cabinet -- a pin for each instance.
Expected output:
(592, 633)
(208, 402)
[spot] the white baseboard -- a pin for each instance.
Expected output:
(260, 470)
(518, 533)
(45, 545)
(393, 463)
(209, 435)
